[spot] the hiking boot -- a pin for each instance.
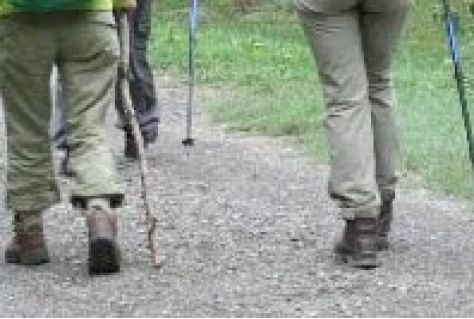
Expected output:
(358, 247)
(104, 252)
(28, 246)
(150, 134)
(385, 220)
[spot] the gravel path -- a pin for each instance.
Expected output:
(248, 231)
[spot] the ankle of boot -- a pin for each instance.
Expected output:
(101, 220)
(23, 220)
(27, 213)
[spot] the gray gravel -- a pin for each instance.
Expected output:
(247, 230)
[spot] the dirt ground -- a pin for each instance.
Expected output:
(247, 230)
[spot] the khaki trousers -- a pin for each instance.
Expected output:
(353, 42)
(84, 46)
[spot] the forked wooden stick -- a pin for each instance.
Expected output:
(129, 111)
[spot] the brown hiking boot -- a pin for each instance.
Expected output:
(28, 246)
(385, 221)
(358, 247)
(104, 252)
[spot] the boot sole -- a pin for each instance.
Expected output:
(104, 256)
(362, 262)
(28, 259)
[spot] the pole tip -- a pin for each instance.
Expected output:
(158, 261)
(188, 142)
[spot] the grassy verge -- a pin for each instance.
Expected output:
(261, 65)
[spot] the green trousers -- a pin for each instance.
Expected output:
(84, 46)
(353, 42)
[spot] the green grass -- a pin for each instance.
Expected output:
(265, 81)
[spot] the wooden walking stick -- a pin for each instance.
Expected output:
(129, 112)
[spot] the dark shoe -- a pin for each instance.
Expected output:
(150, 135)
(28, 246)
(358, 247)
(385, 221)
(104, 252)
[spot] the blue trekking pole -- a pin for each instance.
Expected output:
(450, 24)
(193, 22)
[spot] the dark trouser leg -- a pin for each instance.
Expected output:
(142, 86)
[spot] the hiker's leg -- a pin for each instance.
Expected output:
(90, 54)
(335, 40)
(381, 26)
(27, 60)
(142, 85)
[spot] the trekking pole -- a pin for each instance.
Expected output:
(451, 31)
(193, 21)
(124, 73)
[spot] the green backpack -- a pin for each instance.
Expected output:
(51, 5)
